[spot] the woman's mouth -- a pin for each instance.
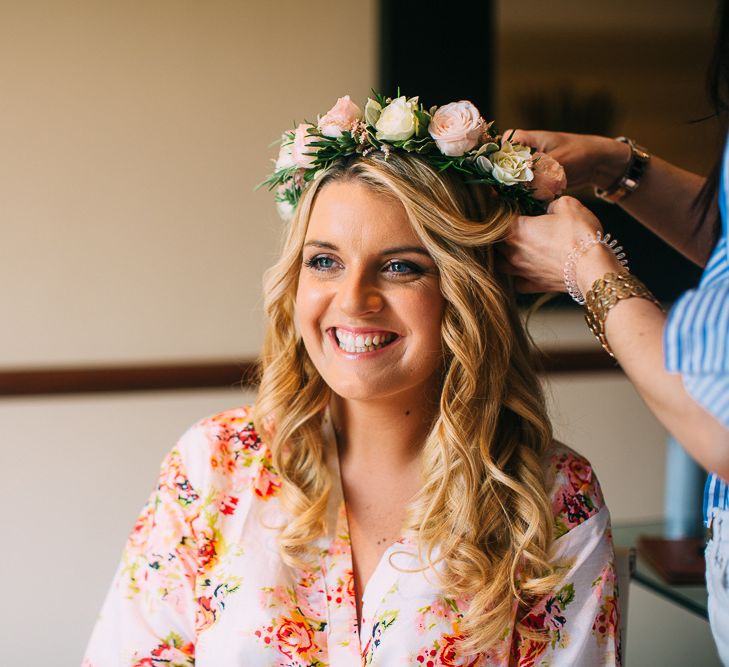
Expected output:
(354, 342)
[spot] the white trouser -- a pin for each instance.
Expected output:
(717, 581)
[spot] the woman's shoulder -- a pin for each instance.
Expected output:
(225, 450)
(572, 486)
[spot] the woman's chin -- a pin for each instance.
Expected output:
(359, 391)
(384, 390)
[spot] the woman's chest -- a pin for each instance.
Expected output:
(252, 609)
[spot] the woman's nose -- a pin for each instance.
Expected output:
(358, 294)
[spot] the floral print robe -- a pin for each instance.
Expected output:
(201, 581)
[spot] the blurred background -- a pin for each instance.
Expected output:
(132, 242)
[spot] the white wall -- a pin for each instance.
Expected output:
(131, 136)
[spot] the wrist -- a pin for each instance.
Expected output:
(591, 258)
(612, 160)
(594, 264)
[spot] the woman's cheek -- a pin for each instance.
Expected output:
(311, 299)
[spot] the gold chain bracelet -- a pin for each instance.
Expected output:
(604, 294)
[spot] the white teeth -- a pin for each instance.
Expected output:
(361, 343)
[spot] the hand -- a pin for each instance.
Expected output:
(536, 250)
(587, 159)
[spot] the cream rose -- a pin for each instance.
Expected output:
(396, 121)
(301, 147)
(512, 164)
(283, 206)
(549, 177)
(285, 158)
(339, 118)
(456, 128)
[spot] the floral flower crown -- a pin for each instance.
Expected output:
(453, 136)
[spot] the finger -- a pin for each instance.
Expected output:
(562, 204)
(565, 202)
(521, 137)
(553, 205)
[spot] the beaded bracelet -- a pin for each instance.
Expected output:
(570, 265)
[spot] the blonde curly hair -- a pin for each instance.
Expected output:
(483, 504)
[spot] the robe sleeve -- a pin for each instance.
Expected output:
(148, 617)
(577, 623)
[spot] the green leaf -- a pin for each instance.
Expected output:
(372, 111)
(380, 99)
(422, 120)
(566, 594)
(425, 147)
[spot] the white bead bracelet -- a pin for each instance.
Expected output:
(570, 266)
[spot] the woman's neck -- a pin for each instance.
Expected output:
(387, 431)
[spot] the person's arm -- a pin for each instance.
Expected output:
(664, 201)
(634, 329)
(536, 252)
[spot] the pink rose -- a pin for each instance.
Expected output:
(295, 638)
(549, 177)
(339, 118)
(456, 127)
(302, 141)
(285, 159)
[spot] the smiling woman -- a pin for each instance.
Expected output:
(395, 495)
(368, 303)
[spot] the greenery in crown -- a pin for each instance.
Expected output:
(453, 136)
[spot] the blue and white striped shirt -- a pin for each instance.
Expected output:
(696, 340)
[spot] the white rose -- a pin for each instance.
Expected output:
(283, 206)
(285, 158)
(456, 128)
(512, 164)
(285, 210)
(396, 121)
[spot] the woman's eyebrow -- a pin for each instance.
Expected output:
(387, 251)
(320, 244)
(406, 248)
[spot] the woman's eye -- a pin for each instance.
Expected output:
(320, 263)
(403, 268)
